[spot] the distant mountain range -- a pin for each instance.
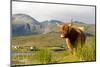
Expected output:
(23, 24)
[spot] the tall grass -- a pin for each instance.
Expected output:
(87, 52)
(45, 56)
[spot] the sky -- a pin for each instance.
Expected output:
(64, 13)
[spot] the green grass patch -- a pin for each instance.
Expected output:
(50, 48)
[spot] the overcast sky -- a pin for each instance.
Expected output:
(42, 12)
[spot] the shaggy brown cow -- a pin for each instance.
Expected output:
(75, 36)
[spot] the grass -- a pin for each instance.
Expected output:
(45, 56)
(87, 53)
(50, 48)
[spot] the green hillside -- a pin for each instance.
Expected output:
(48, 48)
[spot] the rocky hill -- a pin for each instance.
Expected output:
(23, 24)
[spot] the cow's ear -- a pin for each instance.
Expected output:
(59, 25)
(70, 24)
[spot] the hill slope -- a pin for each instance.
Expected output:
(23, 24)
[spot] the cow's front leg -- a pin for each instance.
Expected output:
(69, 45)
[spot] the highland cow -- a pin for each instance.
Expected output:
(74, 36)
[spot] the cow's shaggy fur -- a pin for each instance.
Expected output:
(75, 36)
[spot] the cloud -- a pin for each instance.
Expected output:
(41, 11)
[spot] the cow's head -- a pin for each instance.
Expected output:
(64, 29)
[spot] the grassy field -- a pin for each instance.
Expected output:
(48, 48)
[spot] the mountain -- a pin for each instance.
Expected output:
(23, 24)
(50, 26)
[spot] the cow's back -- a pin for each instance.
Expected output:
(76, 35)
